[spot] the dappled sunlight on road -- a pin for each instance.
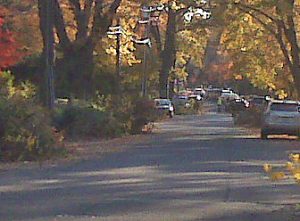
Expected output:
(198, 172)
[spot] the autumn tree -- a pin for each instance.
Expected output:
(79, 25)
(9, 53)
(279, 18)
(22, 19)
(167, 45)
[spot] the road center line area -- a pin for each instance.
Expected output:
(191, 168)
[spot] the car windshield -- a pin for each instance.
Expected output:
(284, 107)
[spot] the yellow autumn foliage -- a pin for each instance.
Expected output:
(291, 169)
(297, 178)
(295, 157)
(275, 176)
(289, 166)
(267, 168)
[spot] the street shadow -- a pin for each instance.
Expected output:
(178, 173)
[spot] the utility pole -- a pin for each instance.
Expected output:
(146, 15)
(118, 52)
(118, 32)
(145, 67)
(49, 54)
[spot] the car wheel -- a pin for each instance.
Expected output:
(263, 135)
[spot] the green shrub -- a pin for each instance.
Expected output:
(105, 117)
(86, 122)
(130, 112)
(25, 132)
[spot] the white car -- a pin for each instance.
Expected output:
(200, 91)
(165, 106)
(281, 117)
(229, 95)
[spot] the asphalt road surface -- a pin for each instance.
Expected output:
(192, 168)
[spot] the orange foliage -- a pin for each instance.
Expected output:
(9, 53)
(221, 72)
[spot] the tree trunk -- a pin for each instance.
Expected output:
(168, 55)
(287, 26)
(292, 36)
(210, 55)
(46, 12)
(75, 68)
(295, 72)
(75, 71)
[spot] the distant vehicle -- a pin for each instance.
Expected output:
(181, 101)
(200, 91)
(281, 117)
(165, 106)
(229, 95)
(195, 96)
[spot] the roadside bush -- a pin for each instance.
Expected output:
(194, 107)
(86, 122)
(131, 112)
(105, 117)
(25, 132)
(251, 118)
(143, 113)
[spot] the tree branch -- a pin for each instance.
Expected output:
(156, 34)
(260, 21)
(101, 20)
(60, 26)
(281, 29)
(279, 38)
(241, 5)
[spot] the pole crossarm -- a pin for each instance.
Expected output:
(145, 41)
(115, 30)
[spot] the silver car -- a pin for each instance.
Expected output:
(281, 117)
(165, 106)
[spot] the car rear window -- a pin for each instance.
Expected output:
(284, 107)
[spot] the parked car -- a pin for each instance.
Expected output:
(196, 97)
(229, 95)
(165, 106)
(200, 91)
(181, 101)
(281, 117)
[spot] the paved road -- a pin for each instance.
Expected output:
(192, 168)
